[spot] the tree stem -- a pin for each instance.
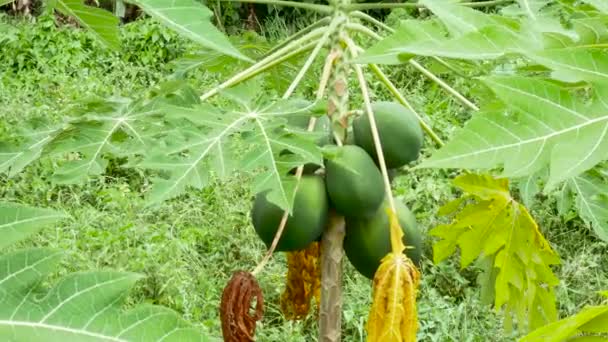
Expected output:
(330, 310)
(304, 5)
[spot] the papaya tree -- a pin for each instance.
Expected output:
(541, 78)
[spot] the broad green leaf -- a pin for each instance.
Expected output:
(409, 32)
(18, 222)
(600, 5)
(191, 19)
(249, 138)
(493, 224)
(592, 31)
(81, 307)
(531, 7)
(461, 20)
(490, 42)
(592, 201)
(100, 22)
(13, 159)
(111, 126)
(571, 328)
(528, 188)
(84, 306)
(549, 126)
(574, 64)
(5, 2)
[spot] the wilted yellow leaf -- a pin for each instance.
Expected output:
(303, 281)
(393, 314)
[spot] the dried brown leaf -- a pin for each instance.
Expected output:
(238, 320)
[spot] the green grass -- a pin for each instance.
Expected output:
(189, 247)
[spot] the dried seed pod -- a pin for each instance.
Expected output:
(303, 282)
(238, 320)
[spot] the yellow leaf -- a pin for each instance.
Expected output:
(393, 313)
(488, 223)
(303, 282)
(397, 245)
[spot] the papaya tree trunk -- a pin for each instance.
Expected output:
(330, 312)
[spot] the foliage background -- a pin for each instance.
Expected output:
(188, 248)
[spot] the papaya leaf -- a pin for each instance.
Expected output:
(82, 306)
(103, 24)
(550, 126)
(531, 7)
(592, 201)
(14, 158)
(494, 225)
(592, 320)
(393, 316)
(17, 222)
(409, 32)
(461, 20)
(216, 148)
(191, 19)
(600, 5)
(574, 64)
(112, 126)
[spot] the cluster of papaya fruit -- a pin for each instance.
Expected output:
(351, 184)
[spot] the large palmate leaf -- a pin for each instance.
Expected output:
(492, 225)
(18, 222)
(250, 138)
(80, 307)
(592, 201)
(111, 126)
(549, 125)
(191, 19)
(15, 157)
(591, 324)
(100, 22)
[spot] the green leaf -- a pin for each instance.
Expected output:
(531, 7)
(191, 19)
(408, 33)
(568, 329)
(493, 224)
(461, 20)
(574, 64)
(100, 22)
(84, 306)
(250, 138)
(18, 222)
(490, 42)
(600, 5)
(550, 125)
(113, 126)
(592, 201)
(13, 159)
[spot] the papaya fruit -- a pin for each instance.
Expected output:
(305, 225)
(399, 131)
(367, 240)
(354, 183)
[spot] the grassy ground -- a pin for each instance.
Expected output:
(188, 248)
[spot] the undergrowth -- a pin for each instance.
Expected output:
(188, 247)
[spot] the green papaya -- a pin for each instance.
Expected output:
(354, 183)
(367, 240)
(305, 225)
(399, 131)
